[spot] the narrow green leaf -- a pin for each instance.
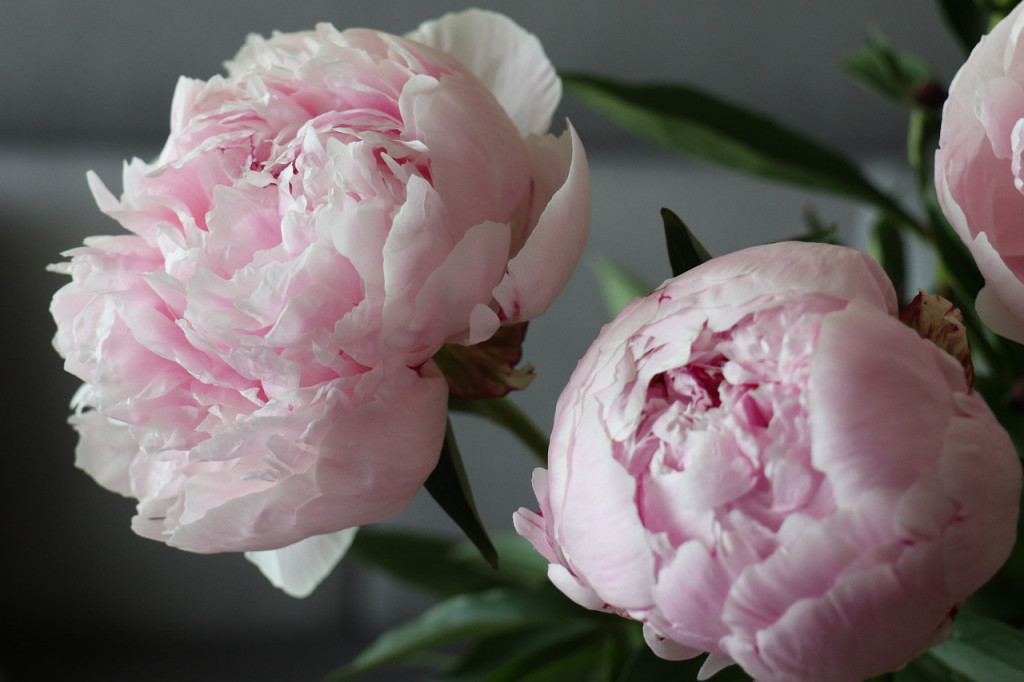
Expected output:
(507, 656)
(966, 20)
(922, 140)
(924, 668)
(685, 251)
(818, 231)
(983, 649)
(579, 664)
(448, 485)
(616, 653)
(695, 123)
(896, 76)
(506, 414)
(619, 287)
(886, 246)
(477, 615)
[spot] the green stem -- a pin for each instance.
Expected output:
(506, 414)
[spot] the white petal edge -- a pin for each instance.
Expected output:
(298, 568)
(666, 648)
(509, 60)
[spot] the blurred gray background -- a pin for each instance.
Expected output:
(87, 83)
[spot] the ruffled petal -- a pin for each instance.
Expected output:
(509, 60)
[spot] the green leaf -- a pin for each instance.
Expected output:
(685, 251)
(886, 246)
(466, 616)
(818, 231)
(893, 75)
(446, 566)
(924, 668)
(983, 649)
(618, 286)
(922, 139)
(579, 665)
(966, 20)
(695, 123)
(507, 656)
(448, 485)
(521, 564)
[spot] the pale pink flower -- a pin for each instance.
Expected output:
(758, 460)
(979, 174)
(257, 353)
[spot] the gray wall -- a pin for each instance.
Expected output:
(106, 68)
(85, 83)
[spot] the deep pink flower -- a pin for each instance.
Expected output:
(758, 460)
(257, 353)
(979, 173)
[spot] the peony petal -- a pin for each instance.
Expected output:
(856, 442)
(544, 264)
(663, 647)
(510, 61)
(298, 568)
(611, 556)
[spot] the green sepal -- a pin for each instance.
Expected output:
(448, 485)
(685, 251)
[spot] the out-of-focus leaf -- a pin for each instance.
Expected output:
(966, 20)
(685, 251)
(924, 668)
(922, 139)
(507, 656)
(818, 231)
(893, 75)
(446, 566)
(521, 564)
(580, 664)
(618, 286)
(886, 246)
(477, 615)
(695, 123)
(983, 649)
(448, 485)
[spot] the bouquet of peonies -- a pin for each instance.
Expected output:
(771, 466)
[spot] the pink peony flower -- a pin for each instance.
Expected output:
(322, 220)
(758, 460)
(979, 174)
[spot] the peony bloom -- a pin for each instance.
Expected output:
(758, 460)
(322, 220)
(979, 172)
